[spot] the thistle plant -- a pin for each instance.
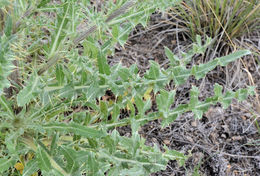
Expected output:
(61, 123)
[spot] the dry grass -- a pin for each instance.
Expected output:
(220, 19)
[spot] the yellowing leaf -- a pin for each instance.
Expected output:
(30, 156)
(132, 99)
(127, 107)
(147, 93)
(19, 166)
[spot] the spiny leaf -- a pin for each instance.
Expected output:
(194, 93)
(223, 61)
(75, 128)
(180, 75)
(27, 93)
(124, 74)
(104, 109)
(5, 164)
(154, 71)
(175, 61)
(72, 166)
(139, 104)
(175, 155)
(43, 159)
(199, 71)
(58, 36)
(6, 106)
(164, 101)
(43, 3)
(59, 74)
(168, 120)
(8, 26)
(93, 164)
(103, 65)
(30, 168)
(218, 90)
(115, 113)
(6, 58)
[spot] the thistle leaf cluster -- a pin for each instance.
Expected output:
(63, 120)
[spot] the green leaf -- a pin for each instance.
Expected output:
(93, 143)
(59, 74)
(59, 35)
(4, 3)
(180, 74)
(251, 90)
(223, 61)
(43, 160)
(194, 93)
(124, 74)
(241, 94)
(71, 164)
(43, 3)
(218, 90)
(6, 106)
(200, 71)
(147, 105)
(8, 26)
(197, 113)
(198, 47)
(76, 129)
(5, 164)
(30, 168)
(114, 171)
(104, 110)
(131, 107)
(93, 92)
(168, 120)
(6, 65)
(134, 171)
(124, 33)
(115, 31)
(27, 93)
(175, 155)
(175, 61)
(139, 104)
(164, 101)
(92, 164)
(54, 142)
(67, 91)
(154, 71)
(227, 99)
(198, 40)
(115, 113)
(102, 64)
(90, 48)
(110, 144)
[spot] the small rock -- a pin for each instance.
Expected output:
(224, 136)
(167, 142)
(194, 123)
(189, 139)
(236, 138)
